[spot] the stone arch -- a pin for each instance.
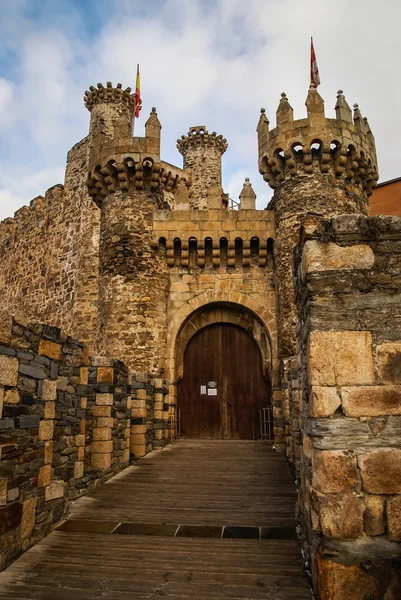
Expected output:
(263, 315)
(223, 312)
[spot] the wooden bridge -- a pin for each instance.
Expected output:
(201, 520)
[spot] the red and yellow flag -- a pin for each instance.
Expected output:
(314, 71)
(137, 93)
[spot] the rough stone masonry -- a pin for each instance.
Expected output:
(133, 255)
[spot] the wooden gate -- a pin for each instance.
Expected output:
(223, 388)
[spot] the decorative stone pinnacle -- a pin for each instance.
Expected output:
(247, 196)
(263, 110)
(342, 108)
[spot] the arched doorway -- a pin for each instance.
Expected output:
(223, 387)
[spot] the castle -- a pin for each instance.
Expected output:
(148, 266)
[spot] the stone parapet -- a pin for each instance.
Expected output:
(348, 289)
(341, 147)
(56, 444)
(214, 238)
(109, 95)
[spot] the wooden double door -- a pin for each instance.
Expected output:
(223, 387)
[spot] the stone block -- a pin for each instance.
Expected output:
(28, 517)
(334, 471)
(328, 256)
(48, 454)
(62, 384)
(83, 376)
(389, 362)
(47, 390)
(374, 515)
(46, 429)
(104, 422)
(335, 581)
(50, 349)
(81, 453)
(137, 438)
(104, 399)
(341, 515)
(101, 434)
(324, 401)
(103, 447)
(8, 370)
(381, 471)
(371, 401)
(138, 450)
(45, 476)
(12, 495)
(1, 401)
(29, 421)
(139, 429)
(101, 411)
(126, 455)
(78, 470)
(11, 396)
(49, 411)
(55, 490)
(340, 358)
(32, 371)
(138, 412)
(101, 461)
(105, 375)
(80, 440)
(393, 509)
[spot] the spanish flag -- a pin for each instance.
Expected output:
(314, 71)
(137, 93)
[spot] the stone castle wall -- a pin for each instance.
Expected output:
(67, 423)
(348, 414)
(49, 255)
(220, 258)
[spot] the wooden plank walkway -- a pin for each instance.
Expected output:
(131, 537)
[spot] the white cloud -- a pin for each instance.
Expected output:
(6, 99)
(205, 62)
(17, 190)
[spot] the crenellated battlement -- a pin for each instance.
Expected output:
(198, 136)
(131, 174)
(343, 147)
(109, 95)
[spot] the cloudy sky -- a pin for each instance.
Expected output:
(203, 62)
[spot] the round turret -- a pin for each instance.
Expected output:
(112, 110)
(202, 159)
(339, 147)
(318, 166)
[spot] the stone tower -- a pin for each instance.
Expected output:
(202, 154)
(316, 166)
(128, 182)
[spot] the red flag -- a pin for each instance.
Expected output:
(314, 71)
(137, 93)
